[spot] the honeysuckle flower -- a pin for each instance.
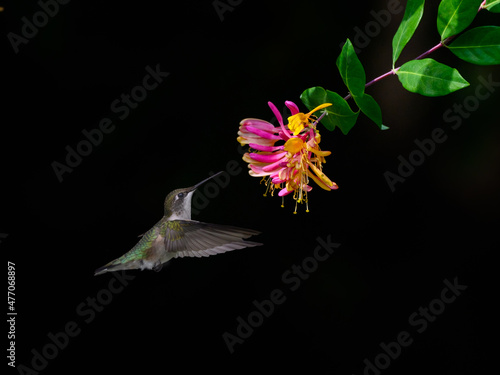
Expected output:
(287, 166)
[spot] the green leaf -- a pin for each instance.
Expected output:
(479, 46)
(492, 6)
(338, 115)
(351, 70)
(411, 19)
(455, 15)
(370, 108)
(430, 78)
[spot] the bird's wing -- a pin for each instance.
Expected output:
(189, 238)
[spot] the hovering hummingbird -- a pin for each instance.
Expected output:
(176, 235)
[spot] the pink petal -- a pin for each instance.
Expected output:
(249, 135)
(272, 167)
(259, 124)
(262, 133)
(286, 133)
(284, 192)
(303, 136)
(246, 139)
(292, 107)
(276, 112)
(257, 171)
(270, 158)
(246, 157)
(265, 148)
(284, 136)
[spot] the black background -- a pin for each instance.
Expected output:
(396, 249)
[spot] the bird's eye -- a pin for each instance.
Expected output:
(180, 195)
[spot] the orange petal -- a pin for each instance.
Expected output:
(321, 175)
(321, 106)
(317, 151)
(294, 145)
(318, 181)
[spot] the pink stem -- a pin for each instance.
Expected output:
(375, 80)
(426, 53)
(436, 47)
(319, 118)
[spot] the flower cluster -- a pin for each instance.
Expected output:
(289, 166)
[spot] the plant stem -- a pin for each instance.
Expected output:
(319, 118)
(393, 71)
(436, 47)
(425, 54)
(375, 80)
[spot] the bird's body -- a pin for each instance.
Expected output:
(176, 235)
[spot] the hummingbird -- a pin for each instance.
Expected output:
(176, 235)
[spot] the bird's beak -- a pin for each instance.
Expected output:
(205, 180)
